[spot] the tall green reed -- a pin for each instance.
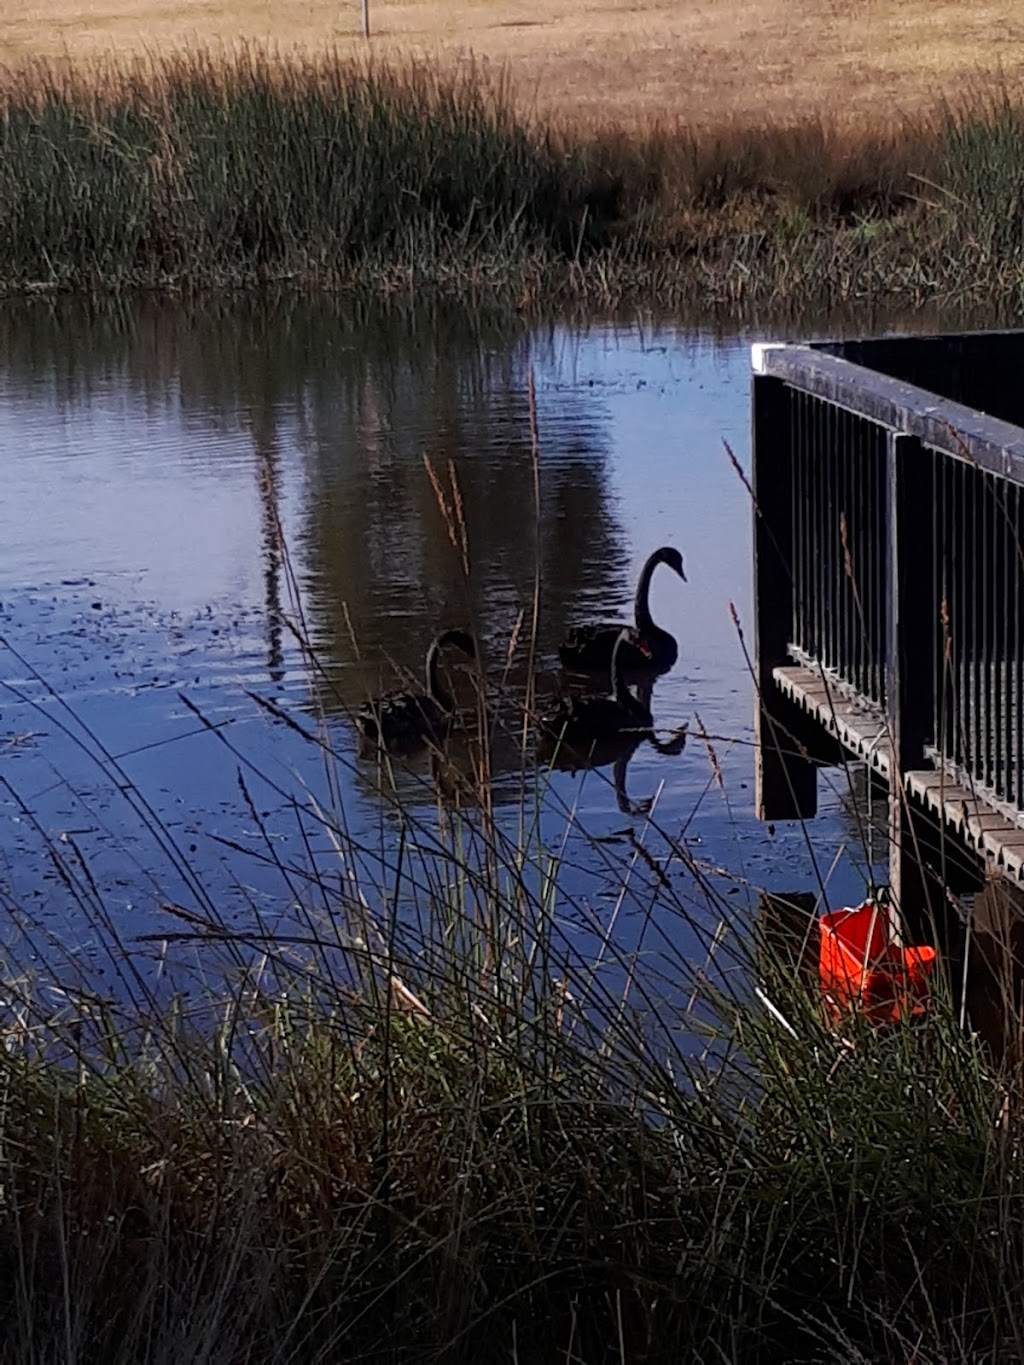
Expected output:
(425, 1119)
(202, 171)
(209, 170)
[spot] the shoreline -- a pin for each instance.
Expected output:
(192, 173)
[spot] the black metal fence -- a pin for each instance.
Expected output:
(978, 541)
(840, 523)
(897, 565)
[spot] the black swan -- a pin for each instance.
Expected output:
(400, 718)
(588, 648)
(581, 723)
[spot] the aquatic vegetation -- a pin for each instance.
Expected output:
(448, 1132)
(196, 171)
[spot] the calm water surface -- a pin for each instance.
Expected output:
(180, 482)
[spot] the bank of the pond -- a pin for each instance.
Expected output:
(193, 173)
(463, 1168)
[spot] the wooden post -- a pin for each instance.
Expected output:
(918, 874)
(366, 19)
(785, 782)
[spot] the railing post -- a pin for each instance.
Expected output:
(910, 682)
(785, 780)
(910, 647)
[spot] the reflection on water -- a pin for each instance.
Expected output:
(209, 500)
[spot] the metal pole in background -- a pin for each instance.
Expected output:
(366, 18)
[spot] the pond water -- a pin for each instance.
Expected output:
(214, 503)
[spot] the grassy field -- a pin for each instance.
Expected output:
(600, 62)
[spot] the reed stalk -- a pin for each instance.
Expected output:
(234, 170)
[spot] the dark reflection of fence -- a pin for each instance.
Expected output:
(890, 560)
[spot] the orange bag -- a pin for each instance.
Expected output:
(860, 969)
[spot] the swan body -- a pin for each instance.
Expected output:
(588, 648)
(398, 719)
(589, 721)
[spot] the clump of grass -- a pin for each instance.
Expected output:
(421, 1171)
(200, 170)
(197, 171)
(428, 1118)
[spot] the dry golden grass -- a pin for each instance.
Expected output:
(625, 62)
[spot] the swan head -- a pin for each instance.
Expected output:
(670, 556)
(460, 640)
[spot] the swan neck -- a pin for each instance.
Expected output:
(436, 689)
(619, 689)
(642, 609)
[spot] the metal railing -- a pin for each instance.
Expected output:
(839, 519)
(978, 720)
(890, 543)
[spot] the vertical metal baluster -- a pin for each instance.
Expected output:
(811, 544)
(959, 674)
(844, 650)
(820, 525)
(854, 465)
(976, 628)
(795, 627)
(1002, 617)
(941, 574)
(885, 513)
(964, 616)
(833, 534)
(882, 534)
(1013, 682)
(995, 726)
(807, 577)
(811, 540)
(810, 532)
(1017, 681)
(872, 550)
(860, 500)
(981, 553)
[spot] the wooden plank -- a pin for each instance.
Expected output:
(958, 431)
(995, 837)
(859, 725)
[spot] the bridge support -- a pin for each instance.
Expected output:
(909, 676)
(786, 784)
(925, 869)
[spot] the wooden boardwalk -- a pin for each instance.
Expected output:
(889, 567)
